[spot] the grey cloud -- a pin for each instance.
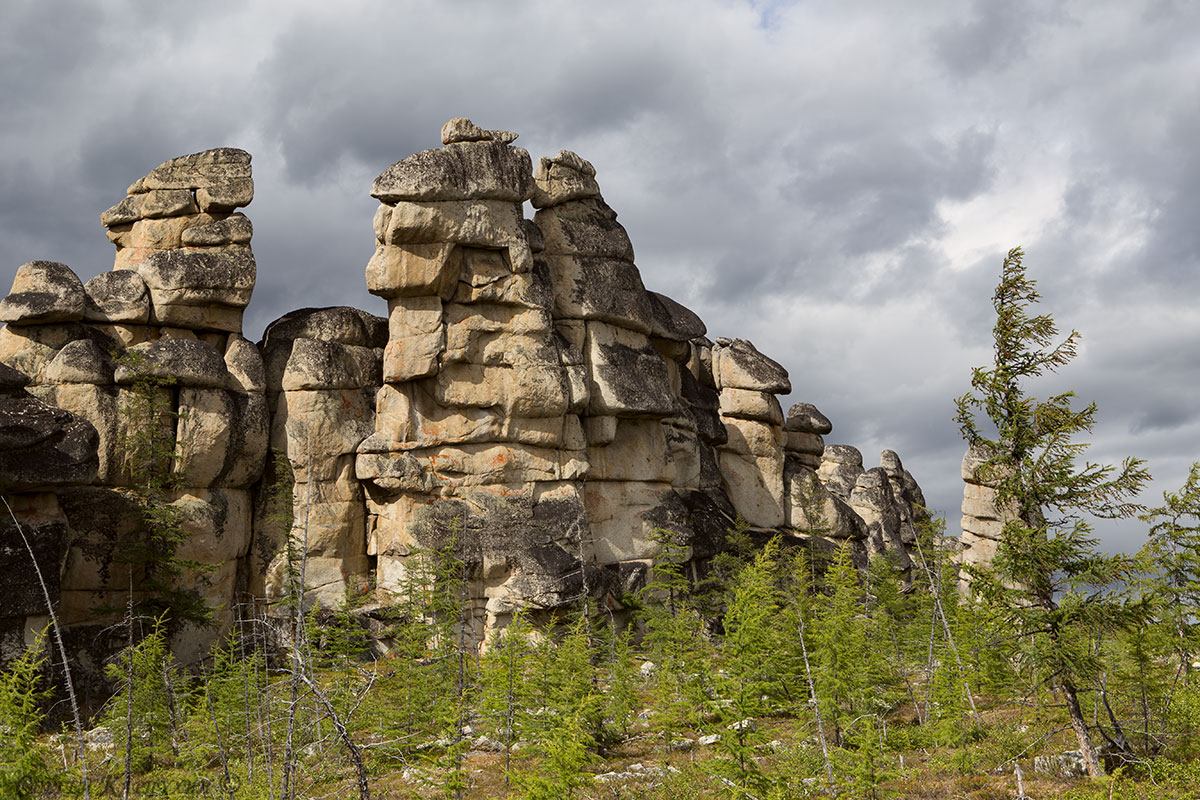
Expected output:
(770, 160)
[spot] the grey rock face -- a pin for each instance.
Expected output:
(805, 418)
(43, 291)
(737, 364)
(117, 297)
(41, 446)
(562, 178)
(478, 170)
(81, 361)
(586, 228)
(334, 324)
(672, 320)
(188, 362)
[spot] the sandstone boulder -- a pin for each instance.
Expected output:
(187, 362)
(737, 364)
(41, 446)
(461, 129)
(562, 178)
(673, 321)
(805, 418)
(43, 291)
(584, 228)
(462, 170)
(119, 296)
(81, 361)
(841, 465)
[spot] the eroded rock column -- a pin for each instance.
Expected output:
(477, 438)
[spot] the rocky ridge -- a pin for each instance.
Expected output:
(526, 399)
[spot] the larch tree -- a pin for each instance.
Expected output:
(1048, 576)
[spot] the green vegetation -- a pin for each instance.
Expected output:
(786, 673)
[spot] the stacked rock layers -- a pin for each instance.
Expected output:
(171, 310)
(526, 400)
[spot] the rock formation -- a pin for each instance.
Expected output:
(526, 401)
(982, 517)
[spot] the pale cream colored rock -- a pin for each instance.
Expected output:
(738, 364)
(98, 405)
(804, 443)
(461, 129)
(416, 338)
(408, 316)
(195, 170)
(217, 524)
(980, 501)
(638, 452)
(683, 447)
(165, 311)
(529, 389)
(381, 221)
(30, 354)
(234, 229)
(751, 404)
(619, 526)
(481, 464)
(462, 170)
(245, 365)
(203, 275)
(526, 289)
(574, 331)
(872, 500)
(148, 205)
(468, 329)
(388, 532)
(160, 234)
(409, 415)
(414, 270)
(750, 437)
(176, 333)
(755, 486)
(814, 510)
(481, 223)
(315, 364)
(226, 195)
(982, 528)
(394, 472)
(127, 335)
(600, 430)
(117, 297)
(840, 467)
(80, 361)
(221, 438)
(976, 549)
(314, 427)
(43, 292)
(409, 357)
(130, 257)
(563, 177)
(584, 228)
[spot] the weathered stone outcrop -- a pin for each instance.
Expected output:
(982, 516)
(526, 401)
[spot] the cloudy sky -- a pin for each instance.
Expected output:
(836, 181)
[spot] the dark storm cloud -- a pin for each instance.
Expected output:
(838, 183)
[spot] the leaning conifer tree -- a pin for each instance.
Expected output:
(1047, 576)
